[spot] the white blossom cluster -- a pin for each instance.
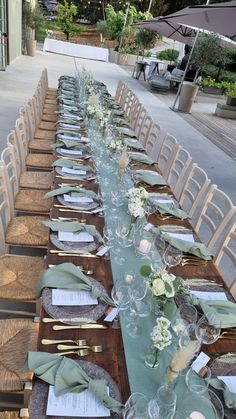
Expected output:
(162, 284)
(137, 201)
(114, 145)
(160, 334)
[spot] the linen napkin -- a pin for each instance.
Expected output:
(121, 121)
(150, 177)
(73, 227)
(69, 121)
(126, 131)
(134, 144)
(229, 397)
(72, 164)
(68, 377)
(75, 191)
(73, 145)
(168, 208)
(68, 277)
(118, 112)
(197, 249)
(222, 311)
(142, 158)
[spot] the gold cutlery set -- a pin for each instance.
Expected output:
(79, 347)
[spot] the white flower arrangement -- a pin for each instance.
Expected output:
(137, 198)
(162, 284)
(114, 145)
(160, 334)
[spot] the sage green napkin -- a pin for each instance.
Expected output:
(68, 377)
(72, 164)
(68, 277)
(70, 122)
(150, 177)
(69, 133)
(73, 227)
(142, 158)
(70, 144)
(75, 191)
(121, 121)
(126, 131)
(197, 249)
(134, 144)
(169, 209)
(221, 310)
(229, 397)
(118, 112)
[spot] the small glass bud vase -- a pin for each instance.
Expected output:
(152, 359)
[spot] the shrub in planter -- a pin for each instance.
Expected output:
(231, 95)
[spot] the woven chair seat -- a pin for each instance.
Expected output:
(47, 110)
(48, 126)
(43, 161)
(19, 276)
(27, 231)
(51, 101)
(9, 415)
(52, 90)
(36, 180)
(49, 118)
(44, 135)
(31, 200)
(41, 145)
(17, 337)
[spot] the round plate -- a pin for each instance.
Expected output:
(39, 396)
(93, 312)
(78, 205)
(83, 156)
(209, 405)
(84, 247)
(89, 173)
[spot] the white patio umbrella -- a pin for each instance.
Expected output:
(216, 17)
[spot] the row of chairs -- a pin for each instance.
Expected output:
(24, 179)
(212, 213)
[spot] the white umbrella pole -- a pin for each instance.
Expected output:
(186, 68)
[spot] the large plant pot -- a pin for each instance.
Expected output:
(187, 96)
(113, 55)
(231, 101)
(127, 59)
(31, 47)
(212, 90)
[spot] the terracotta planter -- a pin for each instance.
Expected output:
(31, 47)
(231, 101)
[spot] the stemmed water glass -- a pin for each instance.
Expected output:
(208, 329)
(121, 298)
(136, 407)
(198, 378)
(172, 257)
(123, 232)
(166, 400)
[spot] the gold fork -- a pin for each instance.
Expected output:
(79, 342)
(93, 348)
(79, 352)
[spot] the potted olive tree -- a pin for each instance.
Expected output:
(32, 19)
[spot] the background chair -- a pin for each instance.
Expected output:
(178, 171)
(154, 142)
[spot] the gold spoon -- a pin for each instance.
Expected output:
(79, 352)
(79, 342)
(93, 348)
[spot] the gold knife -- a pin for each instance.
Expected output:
(70, 319)
(82, 326)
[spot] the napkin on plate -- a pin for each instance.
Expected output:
(72, 164)
(68, 377)
(73, 227)
(150, 177)
(169, 208)
(222, 311)
(140, 157)
(134, 144)
(197, 249)
(126, 131)
(229, 397)
(73, 145)
(75, 191)
(68, 277)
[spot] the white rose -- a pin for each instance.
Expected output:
(171, 290)
(158, 287)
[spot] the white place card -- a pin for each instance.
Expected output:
(186, 237)
(205, 295)
(72, 298)
(165, 201)
(70, 126)
(75, 404)
(103, 251)
(200, 362)
(73, 171)
(79, 199)
(83, 237)
(69, 137)
(75, 152)
(148, 226)
(77, 118)
(230, 381)
(112, 314)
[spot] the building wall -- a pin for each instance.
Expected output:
(14, 28)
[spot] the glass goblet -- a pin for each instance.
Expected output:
(153, 409)
(136, 407)
(120, 296)
(172, 256)
(166, 400)
(198, 378)
(208, 329)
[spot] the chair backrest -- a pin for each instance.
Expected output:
(21, 140)
(215, 218)
(119, 90)
(8, 158)
(194, 190)
(145, 129)
(123, 95)
(129, 103)
(6, 210)
(12, 142)
(134, 112)
(225, 259)
(153, 143)
(167, 154)
(178, 170)
(139, 121)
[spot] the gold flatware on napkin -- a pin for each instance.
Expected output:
(79, 342)
(82, 326)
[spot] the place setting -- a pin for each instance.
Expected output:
(75, 197)
(70, 168)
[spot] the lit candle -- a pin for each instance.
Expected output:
(196, 415)
(144, 246)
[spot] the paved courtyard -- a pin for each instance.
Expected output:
(19, 82)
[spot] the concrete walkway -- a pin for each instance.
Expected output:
(19, 82)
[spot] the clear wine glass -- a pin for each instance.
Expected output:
(185, 314)
(166, 400)
(172, 257)
(123, 232)
(198, 378)
(121, 298)
(136, 407)
(153, 409)
(208, 329)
